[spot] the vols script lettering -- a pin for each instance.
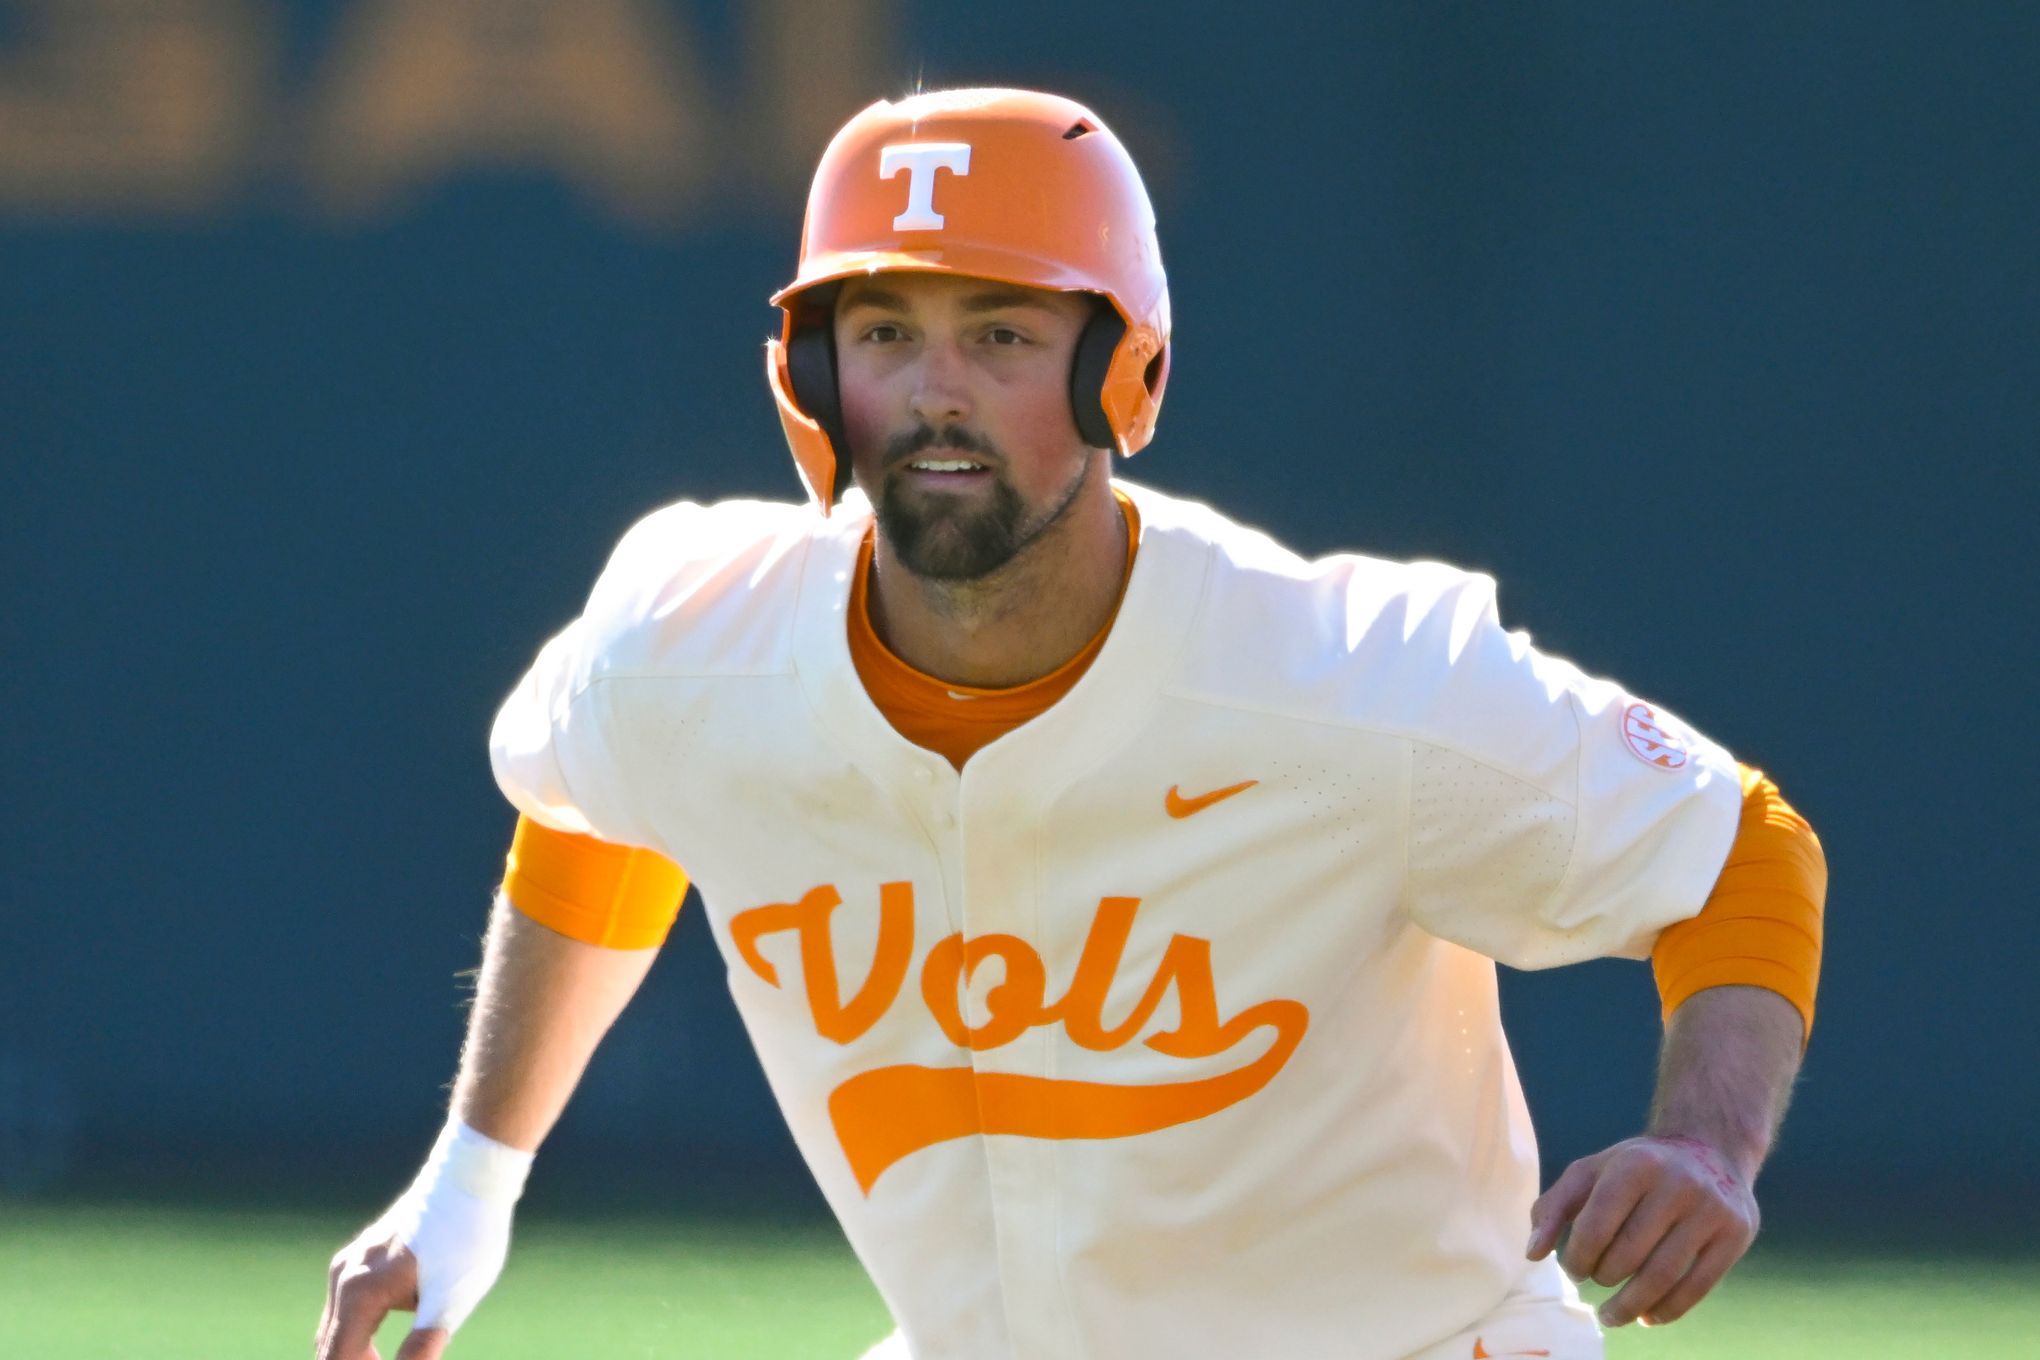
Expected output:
(889, 1113)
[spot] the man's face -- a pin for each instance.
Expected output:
(956, 402)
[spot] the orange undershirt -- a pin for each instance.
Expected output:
(592, 890)
(955, 721)
(1761, 926)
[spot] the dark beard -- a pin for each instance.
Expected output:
(939, 538)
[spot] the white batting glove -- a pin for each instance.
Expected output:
(455, 1220)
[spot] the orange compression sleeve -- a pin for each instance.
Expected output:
(1761, 926)
(590, 890)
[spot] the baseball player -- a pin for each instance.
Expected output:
(1112, 895)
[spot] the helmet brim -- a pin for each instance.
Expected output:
(959, 258)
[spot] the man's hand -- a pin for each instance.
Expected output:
(371, 1277)
(1671, 1212)
(1666, 1214)
(542, 1004)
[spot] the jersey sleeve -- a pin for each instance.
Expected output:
(1554, 816)
(535, 735)
(578, 863)
(677, 597)
(547, 748)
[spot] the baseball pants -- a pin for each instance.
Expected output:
(1542, 1318)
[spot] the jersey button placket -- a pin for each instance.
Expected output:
(998, 887)
(937, 803)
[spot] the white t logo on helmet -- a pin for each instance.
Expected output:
(921, 162)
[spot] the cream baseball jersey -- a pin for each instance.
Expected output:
(1168, 1027)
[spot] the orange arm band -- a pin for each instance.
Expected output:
(589, 890)
(1761, 926)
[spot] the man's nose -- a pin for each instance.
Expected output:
(940, 394)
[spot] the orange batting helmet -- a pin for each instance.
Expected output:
(1008, 185)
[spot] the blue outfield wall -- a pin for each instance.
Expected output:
(338, 342)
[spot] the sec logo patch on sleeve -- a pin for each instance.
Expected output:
(1652, 741)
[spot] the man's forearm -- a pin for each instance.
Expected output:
(1725, 1072)
(542, 1004)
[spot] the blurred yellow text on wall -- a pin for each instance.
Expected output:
(179, 108)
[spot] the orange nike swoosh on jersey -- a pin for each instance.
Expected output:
(1179, 806)
(1481, 1352)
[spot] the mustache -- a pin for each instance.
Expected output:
(923, 438)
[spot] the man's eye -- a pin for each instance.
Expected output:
(884, 333)
(1002, 335)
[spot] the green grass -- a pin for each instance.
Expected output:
(109, 1282)
(1799, 1305)
(106, 1283)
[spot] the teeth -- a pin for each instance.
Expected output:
(947, 464)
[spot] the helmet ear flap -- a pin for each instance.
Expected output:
(811, 366)
(1088, 366)
(811, 369)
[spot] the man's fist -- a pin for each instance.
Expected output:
(1669, 1215)
(436, 1251)
(371, 1277)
